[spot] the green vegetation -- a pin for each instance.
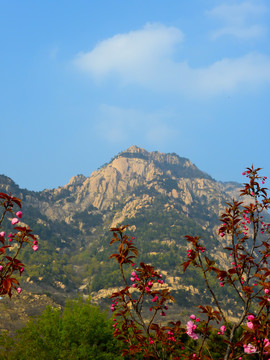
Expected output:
(79, 332)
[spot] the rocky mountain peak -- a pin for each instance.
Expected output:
(179, 166)
(134, 172)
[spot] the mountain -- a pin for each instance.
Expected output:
(162, 196)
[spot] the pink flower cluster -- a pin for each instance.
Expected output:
(35, 247)
(221, 281)
(222, 330)
(250, 323)
(264, 227)
(171, 336)
(15, 220)
(190, 330)
(10, 237)
(189, 251)
(245, 222)
(246, 173)
(249, 349)
(114, 303)
(134, 277)
(193, 317)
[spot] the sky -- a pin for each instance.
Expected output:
(82, 80)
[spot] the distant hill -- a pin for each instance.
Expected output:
(162, 196)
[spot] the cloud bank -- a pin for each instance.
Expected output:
(239, 20)
(146, 58)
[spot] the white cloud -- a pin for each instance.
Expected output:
(228, 75)
(116, 124)
(130, 54)
(239, 20)
(145, 57)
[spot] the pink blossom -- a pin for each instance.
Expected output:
(251, 317)
(266, 291)
(222, 329)
(190, 327)
(35, 242)
(192, 317)
(35, 247)
(154, 298)
(249, 349)
(133, 273)
(19, 214)
(14, 221)
(250, 325)
(134, 285)
(19, 290)
(266, 342)
(1, 267)
(2, 233)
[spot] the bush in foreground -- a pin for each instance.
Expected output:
(81, 331)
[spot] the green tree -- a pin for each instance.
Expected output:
(80, 331)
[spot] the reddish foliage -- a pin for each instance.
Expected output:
(248, 275)
(9, 265)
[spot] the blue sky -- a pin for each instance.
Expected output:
(84, 80)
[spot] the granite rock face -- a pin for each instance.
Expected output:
(116, 186)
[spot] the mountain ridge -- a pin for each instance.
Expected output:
(163, 197)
